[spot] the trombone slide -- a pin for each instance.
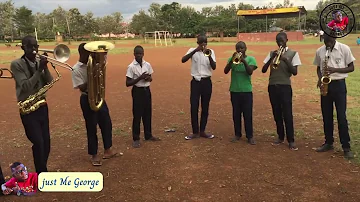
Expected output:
(2, 73)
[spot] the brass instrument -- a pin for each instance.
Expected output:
(237, 59)
(33, 102)
(325, 79)
(96, 69)
(61, 54)
(207, 52)
(2, 73)
(276, 60)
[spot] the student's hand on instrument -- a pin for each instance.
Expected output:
(7, 191)
(318, 84)
(274, 54)
(242, 59)
(43, 62)
(148, 77)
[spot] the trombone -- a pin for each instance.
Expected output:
(2, 73)
(61, 54)
(237, 59)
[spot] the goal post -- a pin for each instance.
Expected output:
(163, 35)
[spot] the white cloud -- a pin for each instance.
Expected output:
(129, 7)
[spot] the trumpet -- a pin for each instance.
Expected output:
(237, 59)
(2, 73)
(207, 52)
(276, 60)
(61, 54)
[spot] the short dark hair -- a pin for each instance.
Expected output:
(138, 47)
(240, 43)
(27, 39)
(281, 34)
(14, 165)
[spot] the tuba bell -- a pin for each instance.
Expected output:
(276, 60)
(96, 72)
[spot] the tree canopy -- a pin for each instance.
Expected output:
(173, 17)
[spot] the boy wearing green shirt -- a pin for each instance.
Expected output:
(241, 91)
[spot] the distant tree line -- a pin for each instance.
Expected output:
(18, 22)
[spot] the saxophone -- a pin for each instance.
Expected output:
(325, 79)
(33, 102)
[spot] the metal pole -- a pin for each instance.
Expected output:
(305, 22)
(266, 24)
(238, 24)
(299, 26)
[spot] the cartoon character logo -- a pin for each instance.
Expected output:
(337, 20)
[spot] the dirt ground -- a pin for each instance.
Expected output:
(179, 170)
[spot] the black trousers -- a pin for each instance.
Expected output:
(92, 119)
(142, 110)
(242, 104)
(281, 103)
(336, 94)
(200, 89)
(36, 125)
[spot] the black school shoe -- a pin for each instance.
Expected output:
(324, 148)
(348, 154)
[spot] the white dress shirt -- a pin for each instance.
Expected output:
(340, 57)
(79, 74)
(200, 64)
(134, 71)
(295, 61)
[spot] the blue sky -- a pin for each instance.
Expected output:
(129, 7)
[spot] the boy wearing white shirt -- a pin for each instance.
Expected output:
(201, 86)
(92, 118)
(340, 63)
(139, 76)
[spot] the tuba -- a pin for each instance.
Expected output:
(237, 59)
(2, 73)
(325, 79)
(33, 102)
(276, 60)
(96, 72)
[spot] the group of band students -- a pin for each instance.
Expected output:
(31, 74)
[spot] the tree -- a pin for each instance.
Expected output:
(7, 11)
(24, 21)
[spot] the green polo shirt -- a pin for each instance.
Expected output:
(240, 79)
